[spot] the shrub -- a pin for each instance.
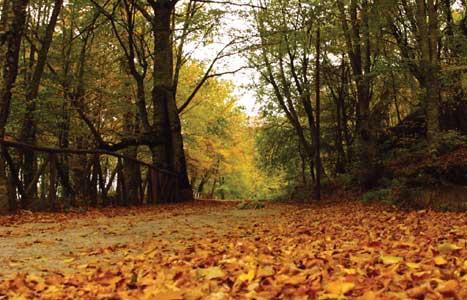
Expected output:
(450, 140)
(384, 195)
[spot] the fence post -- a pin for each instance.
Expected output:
(53, 181)
(155, 180)
(140, 187)
(100, 179)
(121, 183)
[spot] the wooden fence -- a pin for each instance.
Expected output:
(78, 177)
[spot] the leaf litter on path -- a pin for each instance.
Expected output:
(215, 251)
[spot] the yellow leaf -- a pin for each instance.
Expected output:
(390, 260)
(247, 276)
(447, 248)
(350, 271)
(265, 271)
(369, 295)
(170, 295)
(440, 261)
(339, 287)
(211, 273)
(68, 260)
(194, 294)
(413, 265)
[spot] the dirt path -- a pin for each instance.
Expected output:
(48, 245)
(213, 251)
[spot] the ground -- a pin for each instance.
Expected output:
(208, 250)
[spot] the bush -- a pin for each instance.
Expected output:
(450, 140)
(251, 205)
(384, 195)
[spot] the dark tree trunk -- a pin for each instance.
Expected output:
(318, 114)
(427, 22)
(357, 38)
(29, 128)
(12, 30)
(131, 170)
(167, 121)
(340, 106)
(202, 182)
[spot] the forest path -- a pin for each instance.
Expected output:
(40, 243)
(190, 251)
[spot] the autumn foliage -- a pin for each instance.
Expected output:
(218, 251)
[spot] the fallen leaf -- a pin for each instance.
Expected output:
(390, 260)
(413, 265)
(447, 248)
(68, 260)
(440, 261)
(448, 287)
(418, 291)
(170, 295)
(265, 271)
(247, 276)
(339, 287)
(211, 273)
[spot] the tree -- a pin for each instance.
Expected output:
(359, 50)
(12, 24)
(33, 81)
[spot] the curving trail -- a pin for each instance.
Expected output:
(210, 250)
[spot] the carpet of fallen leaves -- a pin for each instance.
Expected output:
(283, 251)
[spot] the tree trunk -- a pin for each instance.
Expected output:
(340, 123)
(358, 48)
(202, 182)
(318, 113)
(11, 33)
(131, 170)
(167, 121)
(29, 128)
(427, 22)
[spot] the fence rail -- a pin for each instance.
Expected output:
(71, 177)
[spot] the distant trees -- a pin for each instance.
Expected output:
(284, 60)
(382, 61)
(97, 74)
(341, 86)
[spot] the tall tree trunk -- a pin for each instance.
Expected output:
(131, 170)
(357, 38)
(65, 122)
(428, 32)
(340, 123)
(11, 33)
(366, 138)
(318, 114)
(162, 82)
(29, 128)
(167, 121)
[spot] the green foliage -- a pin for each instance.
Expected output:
(384, 195)
(251, 205)
(450, 140)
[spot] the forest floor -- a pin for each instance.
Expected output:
(209, 250)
